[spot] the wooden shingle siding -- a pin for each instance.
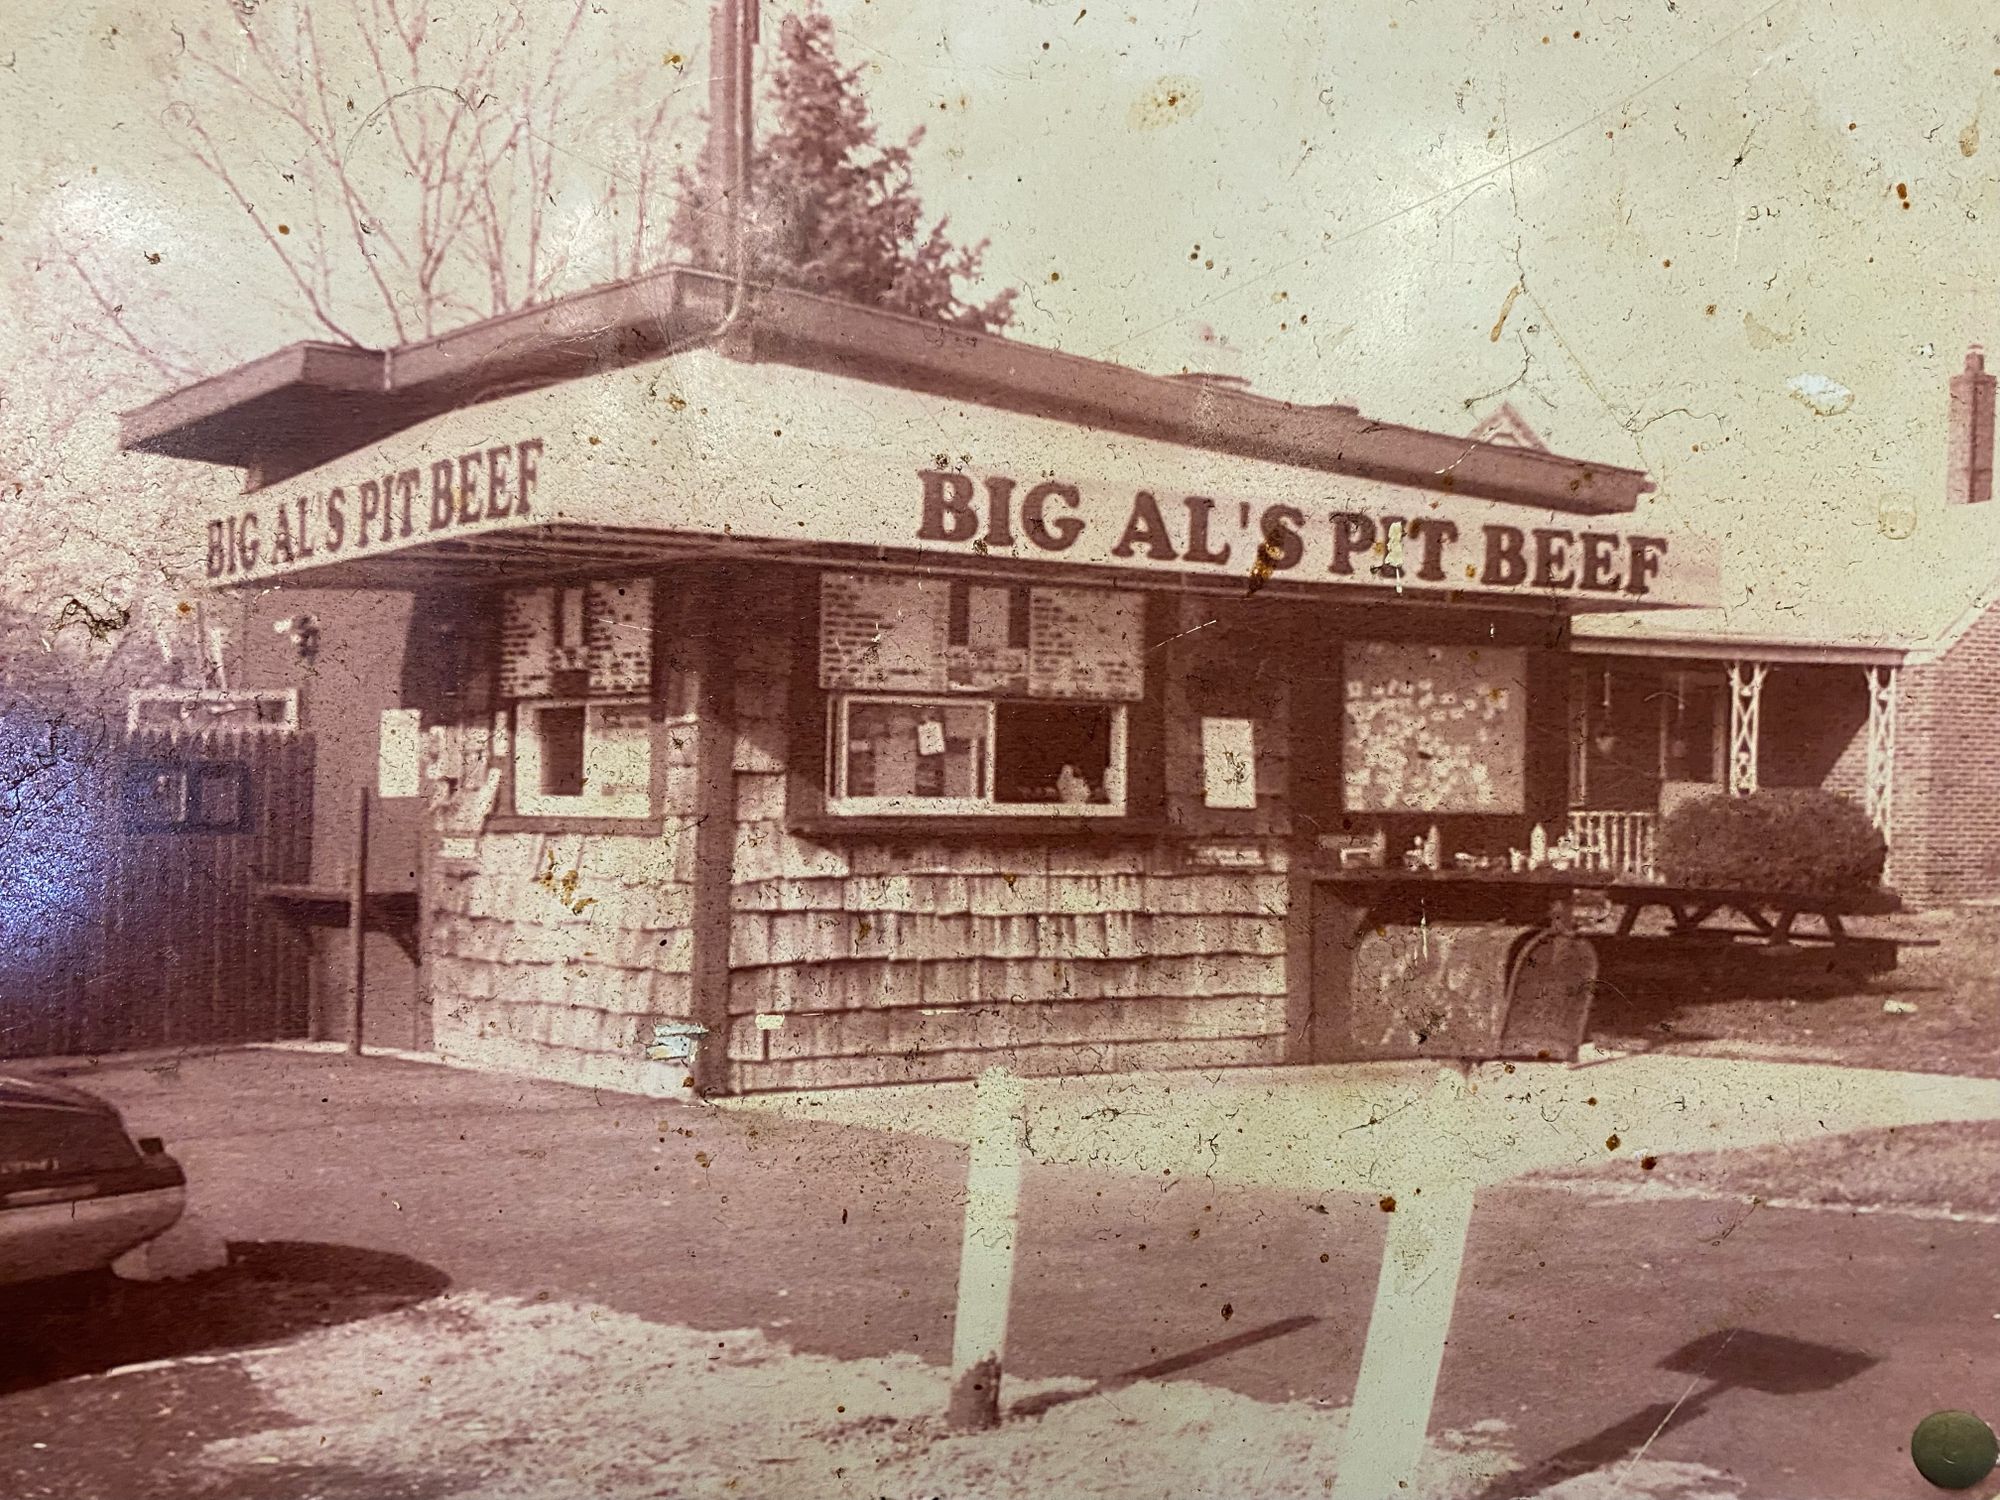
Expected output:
(936, 1064)
(858, 957)
(861, 959)
(1000, 1027)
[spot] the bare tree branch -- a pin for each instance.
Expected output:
(114, 316)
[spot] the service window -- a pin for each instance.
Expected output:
(187, 797)
(155, 796)
(577, 663)
(952, 697)
(590, 758)
(922, 755)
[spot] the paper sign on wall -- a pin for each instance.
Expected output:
(1229, 762)
(399, 755)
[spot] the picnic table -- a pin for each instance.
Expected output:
(1735, 922)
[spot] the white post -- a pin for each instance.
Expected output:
(1881, 790)
(1391, 1412)
(986, 1254)
(1746, 691)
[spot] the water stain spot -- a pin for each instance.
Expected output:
(1762, 335)
(1166, 101)
(1896, 519)
(1968, 139)
(1825, 397)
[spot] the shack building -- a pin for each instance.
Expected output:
(809, 695)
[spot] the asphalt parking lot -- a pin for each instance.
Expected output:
(1767, 1321)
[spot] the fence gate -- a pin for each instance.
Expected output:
(134, 921)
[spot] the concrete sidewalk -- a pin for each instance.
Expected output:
(1355, 1127)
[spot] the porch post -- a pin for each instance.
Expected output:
(1879, 796)
(1746, 691)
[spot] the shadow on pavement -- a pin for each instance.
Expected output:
(1035, 1406)
(1726, 1360)
(269, 1291)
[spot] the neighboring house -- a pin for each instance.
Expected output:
(1878, 678)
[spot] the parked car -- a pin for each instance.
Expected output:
(76, 1189)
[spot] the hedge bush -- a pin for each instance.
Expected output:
(1806, 842)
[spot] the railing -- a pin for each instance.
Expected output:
(1620, 843)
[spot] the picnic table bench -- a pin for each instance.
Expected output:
(1742, 923)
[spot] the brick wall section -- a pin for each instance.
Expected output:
(865, 961)
(1946, 833)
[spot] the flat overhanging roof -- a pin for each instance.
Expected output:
(704, 455)
(306, 405)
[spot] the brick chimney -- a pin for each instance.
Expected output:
(1969, 458)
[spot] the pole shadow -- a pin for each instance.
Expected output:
(1729, 1359)
(1173, 1364)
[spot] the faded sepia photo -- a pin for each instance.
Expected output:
(903, 750)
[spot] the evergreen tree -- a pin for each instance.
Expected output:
(832, 210)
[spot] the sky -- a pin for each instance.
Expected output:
(1741, 245)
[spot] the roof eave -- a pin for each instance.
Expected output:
(309, 403)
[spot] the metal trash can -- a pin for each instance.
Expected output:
(1430, 990)
(1473, 991)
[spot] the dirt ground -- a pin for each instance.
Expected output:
(1938, 1011)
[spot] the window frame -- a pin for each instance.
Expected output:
(526, 763)
(838, 804)
(184, 778)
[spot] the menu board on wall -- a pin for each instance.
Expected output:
(618, 635)
(988, 650)
(890, 634)
(601, 631)
(1086, 643)
(882, 634)
(1434, 729)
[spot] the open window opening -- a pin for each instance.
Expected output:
(894, 755)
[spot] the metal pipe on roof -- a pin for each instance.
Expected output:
(732, 109)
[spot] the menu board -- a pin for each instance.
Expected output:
(1434, 729)
(897, 634)
(1086, 643)
(602, 631)
(882, 634)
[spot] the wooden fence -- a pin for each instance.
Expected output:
(130, 919)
